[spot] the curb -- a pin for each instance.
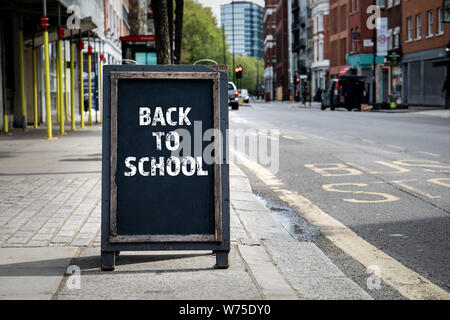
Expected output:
(300, 268)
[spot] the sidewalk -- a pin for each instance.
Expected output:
(50, 219)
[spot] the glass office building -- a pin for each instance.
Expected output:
(248, 27)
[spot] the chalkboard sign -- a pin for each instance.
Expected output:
(159, 192)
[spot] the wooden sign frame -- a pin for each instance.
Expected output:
(112, 242)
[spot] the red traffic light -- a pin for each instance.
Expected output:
(297, 79)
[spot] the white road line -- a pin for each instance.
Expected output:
(395, 147)
(368, 141)
(430, 153)
(407, 282)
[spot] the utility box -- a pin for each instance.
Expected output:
(165, 181)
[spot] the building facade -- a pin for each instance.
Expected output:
(100, 22)
(338, 36)
(392, 64)
(321, 62)
(424, 40)
(301, 46)
(283, 80)
(243, 22)
(269, 48)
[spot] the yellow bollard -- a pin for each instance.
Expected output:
(58, 93)
(5, 124)
(35, 96)
(61, 93)
(72, 87)
(81, 89)
(22, 80)
(89, 91)
(47, 88)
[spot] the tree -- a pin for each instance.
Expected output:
(178, 29)
(202, 38)
(162, 41)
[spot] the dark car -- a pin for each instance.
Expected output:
(347, 92)
(233, 96)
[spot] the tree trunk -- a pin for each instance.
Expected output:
(162, 41)
(170, 20)
(178, 30)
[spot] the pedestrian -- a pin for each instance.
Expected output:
(446, 89)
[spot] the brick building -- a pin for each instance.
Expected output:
(394, 86)
(424, 39)
(281, 74)
(338, 35)
(269, 48)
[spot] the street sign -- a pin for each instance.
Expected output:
(382, 37)
(163, 188)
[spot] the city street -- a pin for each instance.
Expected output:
(381, 179)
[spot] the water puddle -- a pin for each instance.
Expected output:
(297, 227)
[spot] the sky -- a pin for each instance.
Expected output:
(215, 5)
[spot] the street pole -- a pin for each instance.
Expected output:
(35, 91)
(374, 40)
(48, 110)
(89, 80)
(81, 83)
(72, 82)
(232, 21)
(22, 76)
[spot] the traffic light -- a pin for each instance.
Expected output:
(296, 79)
(238, 71)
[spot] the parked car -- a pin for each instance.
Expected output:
(233, 96)
(244, 96)
(344, 92)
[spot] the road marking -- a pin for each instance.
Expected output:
(395, 147)
(333, 167)
(424, 164)
(430, 153)
(368, 141)
(387, 197)
(387, 164)
(438, 181)
(404, 185)
(288, 137)
(407, 282)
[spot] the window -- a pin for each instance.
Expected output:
(440, 26)
(352, 46)
(430, 23)
(389, 4)
(397, 37)
(357, 42)
(320, 28)
(356, 5)
(390, 40)
(418, 27)
(410, 28)
(381, 3)
(396, 2)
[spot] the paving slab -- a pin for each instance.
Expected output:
(32, 273)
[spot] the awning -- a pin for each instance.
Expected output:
(344, 71)
(441, 62)
(86, 24)
(138, 38)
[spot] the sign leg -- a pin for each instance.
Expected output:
(108, 261)
(221, 259)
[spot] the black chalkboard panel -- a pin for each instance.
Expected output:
(186, 208)
(162, 204)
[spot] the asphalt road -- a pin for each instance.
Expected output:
(384, 176)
